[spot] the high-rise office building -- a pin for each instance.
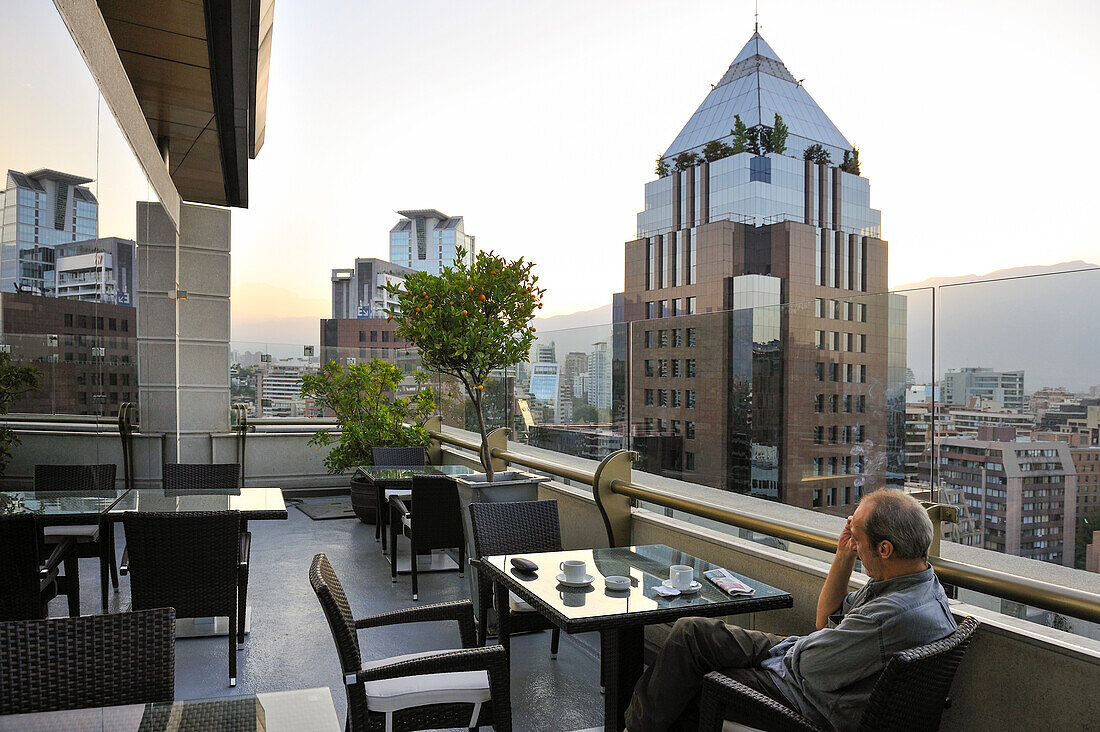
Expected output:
(97, 270)
(360, 292)
(759, 360)
(426, 240)
(41, 209)
(1006, 387)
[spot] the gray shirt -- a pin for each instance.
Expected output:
(828, 675)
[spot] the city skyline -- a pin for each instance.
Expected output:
(568, 101)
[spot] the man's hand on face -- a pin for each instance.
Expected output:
(846, 540)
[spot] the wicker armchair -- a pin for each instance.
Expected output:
(90, 661)
(433, 522)
(91, 540)
(192, 562)
(466, 687)
(26, 584)
(393, 456)
(202, 477)
(523, 527)
(909, 696)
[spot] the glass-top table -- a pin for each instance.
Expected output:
(56, 508)
(255, 504)
(279, 711)
(621, 615)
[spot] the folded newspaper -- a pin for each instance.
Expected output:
(727, 581)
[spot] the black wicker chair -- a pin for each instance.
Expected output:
(92, 541)
(202, 477)
(434, 521)
(909, 696)
(26, 584)
(392, 456)
(523, 527)
(192, 562)
(90, 661)
(466, 687)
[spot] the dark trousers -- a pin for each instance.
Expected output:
(667, 695)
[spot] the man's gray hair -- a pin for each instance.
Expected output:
(897, 517)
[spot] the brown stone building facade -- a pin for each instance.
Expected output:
(85, 352)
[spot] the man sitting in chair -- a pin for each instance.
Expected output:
(828, 675)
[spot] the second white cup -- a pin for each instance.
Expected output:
(680, 576)
(573, 569)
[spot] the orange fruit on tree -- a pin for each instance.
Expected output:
(480, 297)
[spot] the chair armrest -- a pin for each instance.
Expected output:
(400, 505)
(486, 658)
(461, 610)
(60, 550)
(246, 548)
(124, 565)
(752, 708)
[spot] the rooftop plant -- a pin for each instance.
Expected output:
(850, 164)
(817, 154)
(470, 320)
(15, 381)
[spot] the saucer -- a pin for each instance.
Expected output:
(694, 587)
(616, 582)
(583, 583)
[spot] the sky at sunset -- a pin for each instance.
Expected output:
(540, 122)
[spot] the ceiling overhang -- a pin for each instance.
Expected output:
(199, 71)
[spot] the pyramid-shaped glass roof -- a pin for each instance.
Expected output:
(757, 86)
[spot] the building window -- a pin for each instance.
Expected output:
(691, 338)
(819, 403)
(676, 427)
(362, 336)
(861, 404)
(760, 169)
(689, 430)
(649, 367)
(675, 368)
(847, 403)
(690, 398)
(662, 367)
(817, 498)
(649, 340)
(819, 339)
(689, 305)
(662, 397)
(817, 467)
(834, 402)
(662, 339)
(112, 324)
(649, 397)
(662, 308)
(689, 368)
(832, 434)
(385, 336)
(819, 435)
(863, 343)
(676, 398)
(834, 368)
(819, 371)
(677, 338)
(650, 310)
(374, 336)
(124, 326)
(689, 461)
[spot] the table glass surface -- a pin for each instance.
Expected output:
(392, 473)
(58, 503)
(647, 566)
(245, 500)
(280, 711)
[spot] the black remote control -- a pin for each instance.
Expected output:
(524, 565)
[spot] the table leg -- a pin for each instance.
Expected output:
(620, 668)
(72, 582)
(106, 538)
(380, 514)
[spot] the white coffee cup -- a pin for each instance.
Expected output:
(573, 569)
(680, 576)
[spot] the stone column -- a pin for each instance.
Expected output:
(188, 399)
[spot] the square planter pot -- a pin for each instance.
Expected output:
(507, 486)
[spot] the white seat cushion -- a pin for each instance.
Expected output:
(395, 491)
(459, 687)
(517, 604)
(80, 533)
(729, 726)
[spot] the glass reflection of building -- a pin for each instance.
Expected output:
(427, 240)
(752, 264)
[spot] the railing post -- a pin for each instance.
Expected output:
(940, 513)
(614, 508)
(498, 440)
(434, 425)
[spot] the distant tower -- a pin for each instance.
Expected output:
(426, 240)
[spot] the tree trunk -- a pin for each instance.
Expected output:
(486, 458)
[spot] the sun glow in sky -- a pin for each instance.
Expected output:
(540, 122)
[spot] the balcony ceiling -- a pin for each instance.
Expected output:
(199, 72)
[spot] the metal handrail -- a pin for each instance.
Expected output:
(1069, 601)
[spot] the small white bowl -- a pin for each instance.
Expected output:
(615, 582)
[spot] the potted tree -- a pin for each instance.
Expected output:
(369, 413)
(468, 322)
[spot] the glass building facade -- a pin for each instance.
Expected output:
(427, 240)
